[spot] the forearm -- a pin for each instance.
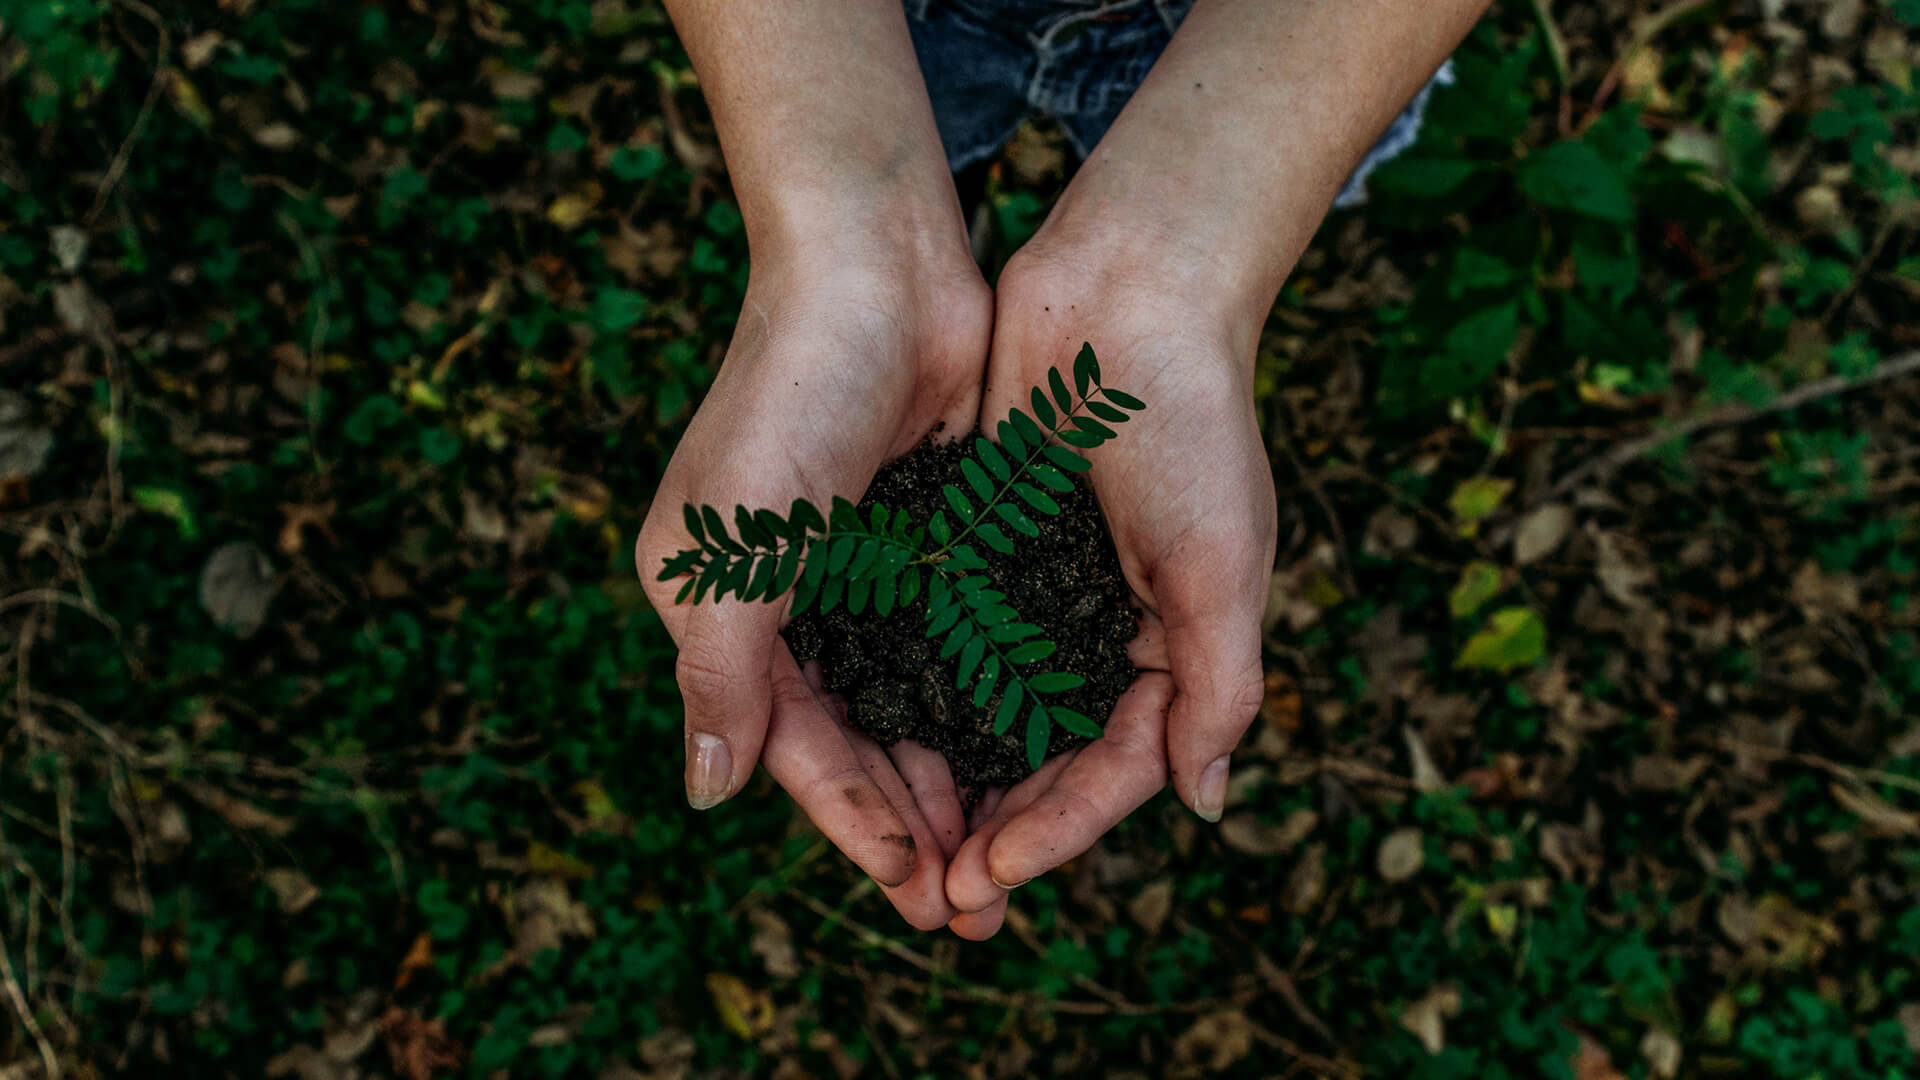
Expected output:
(1248, 125)
(824, 119)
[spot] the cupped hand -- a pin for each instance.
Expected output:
(1188, 494)
(840, 362)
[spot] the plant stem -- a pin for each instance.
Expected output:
(941, 551)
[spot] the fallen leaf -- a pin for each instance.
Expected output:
(1879, 817)
(1249, 834)
(1479, 582)
(419, 1047)
(1622, 569)
(419, 958)
(1151, 906)
(746, 1011)
(1475, 500)
(24, 445)
(544, 859)
(295, 890)
(1427, 1017)
(1541, 533)
(772, 942)
(1591, 1062)
(1215, 1042)
(1910, 1025)
(1307, 882)
(1401, 855)
(276, 136)
(1662, 1052)
(1426, 776)
(1513, 637)
(236, 585)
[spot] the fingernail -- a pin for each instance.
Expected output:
(1006, 886)
(709, 770)
(1210, 798)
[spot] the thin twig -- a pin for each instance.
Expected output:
(20, 1005)
(161, 74)
(1845, 772)
(1605, 464)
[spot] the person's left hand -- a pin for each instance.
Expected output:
(1188, 494)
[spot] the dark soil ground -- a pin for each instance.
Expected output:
(1066, 581)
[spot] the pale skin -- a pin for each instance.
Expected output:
(1166, 252)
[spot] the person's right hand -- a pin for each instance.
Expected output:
(843, 359)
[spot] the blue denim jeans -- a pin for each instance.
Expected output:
(989, 64)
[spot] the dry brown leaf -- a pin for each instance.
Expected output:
(1426, 777)
(1662, 1051)
(1427, 1017)
(1307, 882)
(419, 1047)
(772, 942)
(1541, 533)
(1401, 855)
(236, 585)
(1249, 834)
(1591, 1062)
(1216, 1041)
(1910, 1025)
(419, 957)
(294, 889)
(1879, 817)
(1151, 906)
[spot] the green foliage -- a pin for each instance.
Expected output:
(885, 561)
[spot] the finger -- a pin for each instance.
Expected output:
(989, 805)
(970, 885)
(809, 756)
(980, 925)
(922, 898)
(1148, 649)
(1109, 779)
(1213, 650)
(725, 674)
(931, 782)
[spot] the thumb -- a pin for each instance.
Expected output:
(1213, 650)
(725, 671)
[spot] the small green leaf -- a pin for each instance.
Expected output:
(845, 516)
(957, 637)
(680, 563)
(749, 529)
(806, 516)
(994, 615)
(1051, 477)
(717, 532)
(773, 524)
(1011, 515)
(958, 500)
(970, 656)
(1067, 460)
(1106, 412)
(859, 590)
(1086, 369)
(1513, 637)
(1031, 651)
(841, 553)
(1042, 410)
(762, 580)
(1124, 400)
(1076, 723)
(1037, 499)
(1009, 708)
(817, 558)
(909, 585)
(1475, 499)
(996, 463)
(738, 577)
(879, 517)
(1082, 439)
(831, 592)
(697, 530)
(1013, 631)
(788, 570)
(1053, 682)
(710, 578)
(681, 597)
(863, 559)
(1093, 427)
(1479, 583)
(977, 479)
(1029, 431)
(963, 557)
(942, 618)
(995, 539)
(1011, 439)
(938, 527)
(1060, 395)
(883, 594)
(1038, 729)
(989, 678)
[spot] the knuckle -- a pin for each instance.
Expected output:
(703, 682)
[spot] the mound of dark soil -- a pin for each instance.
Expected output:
(1067, 581)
